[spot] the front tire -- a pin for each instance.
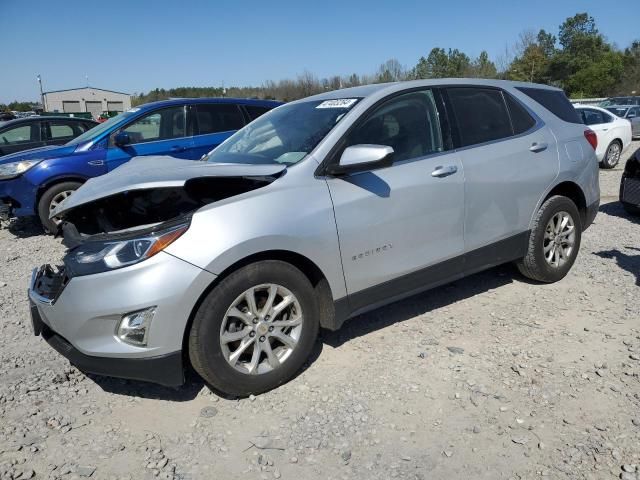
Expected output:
(255, 329)
(50, 199)
(612, 155)
(554, 241)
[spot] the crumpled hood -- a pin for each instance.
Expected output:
(157, 171)
(43, 153)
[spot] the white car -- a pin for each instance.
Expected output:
(614, 133)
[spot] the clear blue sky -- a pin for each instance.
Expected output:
(137, 45)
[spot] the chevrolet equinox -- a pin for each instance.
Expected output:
(320, 210)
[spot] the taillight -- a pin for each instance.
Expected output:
(591, 137)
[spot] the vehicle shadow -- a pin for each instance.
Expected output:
(630, 263)
(191, 389)
(23, 227)
(615, 209)
(422, 303)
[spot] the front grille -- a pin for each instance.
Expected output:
(631, 191)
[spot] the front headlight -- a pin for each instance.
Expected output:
(97, 257)
(13, 169)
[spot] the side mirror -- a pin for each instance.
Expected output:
(359, 158)
(122, 139)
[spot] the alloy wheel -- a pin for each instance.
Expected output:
(613, 154)
(559, 239)
(261, 329)
(56, 201)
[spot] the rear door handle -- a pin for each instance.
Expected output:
(538, 147)
(176, 148)
(441, 171)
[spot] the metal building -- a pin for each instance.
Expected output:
(88, 99)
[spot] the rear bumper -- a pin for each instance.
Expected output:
(165, 369)
(590, 215)
(630, 190)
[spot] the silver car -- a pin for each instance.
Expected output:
(320, 210)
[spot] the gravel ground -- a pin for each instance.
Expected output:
(489, 377)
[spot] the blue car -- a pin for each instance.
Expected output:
(34, 182)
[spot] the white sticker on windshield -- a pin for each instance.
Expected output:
(338, 103)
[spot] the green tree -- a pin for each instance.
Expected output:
(483, 67)
(440, 64)
(630, 80)
(586, 63)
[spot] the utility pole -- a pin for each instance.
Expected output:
(44, 108)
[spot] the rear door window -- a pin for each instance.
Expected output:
(220, 117)
(555, 101)
(592, 117)
(59, 130)
(481, 114)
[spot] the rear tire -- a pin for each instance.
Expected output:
(213, 354)
(538, 264)
(50, 199)
(612, 155)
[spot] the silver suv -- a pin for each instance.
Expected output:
(318, 211)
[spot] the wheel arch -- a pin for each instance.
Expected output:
(305, 265)
(572, 191)
(55, 181)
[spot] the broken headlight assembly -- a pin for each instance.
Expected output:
(101, 256)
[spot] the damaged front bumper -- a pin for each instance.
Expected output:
(5, 211)
(79, 316)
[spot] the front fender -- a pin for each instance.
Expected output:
(298, 219)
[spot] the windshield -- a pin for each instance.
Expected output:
(619, 111)
(103, 127)
(285, 135)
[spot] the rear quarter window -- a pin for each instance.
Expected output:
(555, 101)
(520, 118)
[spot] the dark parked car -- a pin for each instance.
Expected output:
(31, 132)
(630, 185)
(4, 116)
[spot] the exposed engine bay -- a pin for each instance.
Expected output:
(133, 211)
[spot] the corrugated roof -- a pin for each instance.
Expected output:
(86, 88)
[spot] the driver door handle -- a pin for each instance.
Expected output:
(538, 147)
(177, 148)
(441, 171)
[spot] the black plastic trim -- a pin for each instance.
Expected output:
(165, 370)
(590, 214)
(503, 251)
